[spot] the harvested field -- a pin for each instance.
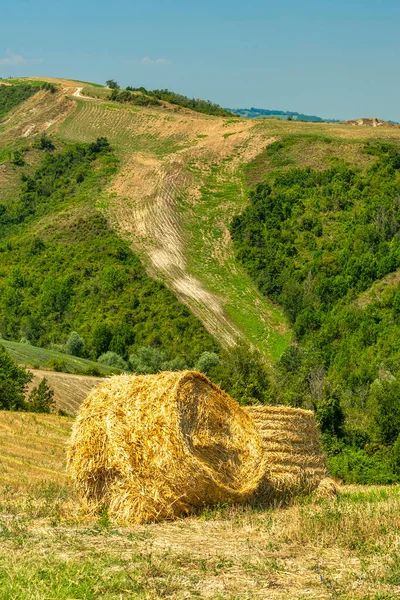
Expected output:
(69, 390)
(345, 547)
(154, 447)
(32, 449)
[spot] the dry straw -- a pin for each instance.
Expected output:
(155, 447)
(293, 458)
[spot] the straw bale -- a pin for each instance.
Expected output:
(156, 447)
(293, 458)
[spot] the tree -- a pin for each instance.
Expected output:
(74, 345)
(41, 398)
(207, 361)
(44, 143)
(243, 374)
(147, 360)
(102, 336)
(385, 408)
(112, 359)
(113, 85)
(13, 382)
(329, 413)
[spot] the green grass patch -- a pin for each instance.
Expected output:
(38, 358)
(211, 259)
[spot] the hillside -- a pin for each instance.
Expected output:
(165, 163)
(47, 550)
(182, 177)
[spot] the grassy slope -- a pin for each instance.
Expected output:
(183, 177)
(34, 357)
(344, 548)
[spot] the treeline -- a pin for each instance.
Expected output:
(127, 97)
(255, 113)
(313, 241)
(143, 97)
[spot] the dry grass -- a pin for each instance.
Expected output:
(342, 548)
(154, 447)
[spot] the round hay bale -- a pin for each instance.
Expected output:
(293, 458)
(154, 447)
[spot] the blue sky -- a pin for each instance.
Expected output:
(328, 57)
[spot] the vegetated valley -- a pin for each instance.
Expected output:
(147, 231)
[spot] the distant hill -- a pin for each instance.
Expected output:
(371, 122)
(253, 113)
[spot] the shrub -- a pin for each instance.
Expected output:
(74, 345)
(356, 466)
(13, 381)
(112, 359)
(41, 398)
(243, 374)
(44, 143)
(147, 360)
(206, 361)
(57, 365)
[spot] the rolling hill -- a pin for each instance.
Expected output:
(165, 238)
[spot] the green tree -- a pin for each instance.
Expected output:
(102, 336)
(206, 362)
(243, 374)
(74, 345)
(13, 382)
(113, 85)
(385, 406)
(41, 398)
(112, 359)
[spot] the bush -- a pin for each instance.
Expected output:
(41, 398)
(13, 382)
(148, 360)
(44, 143)
(356, 466)
(206, 362)
(74, 345)
(112, 359)
(57, 365)
(243, 374)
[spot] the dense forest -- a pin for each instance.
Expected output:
(315, 242)
(141, 96)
